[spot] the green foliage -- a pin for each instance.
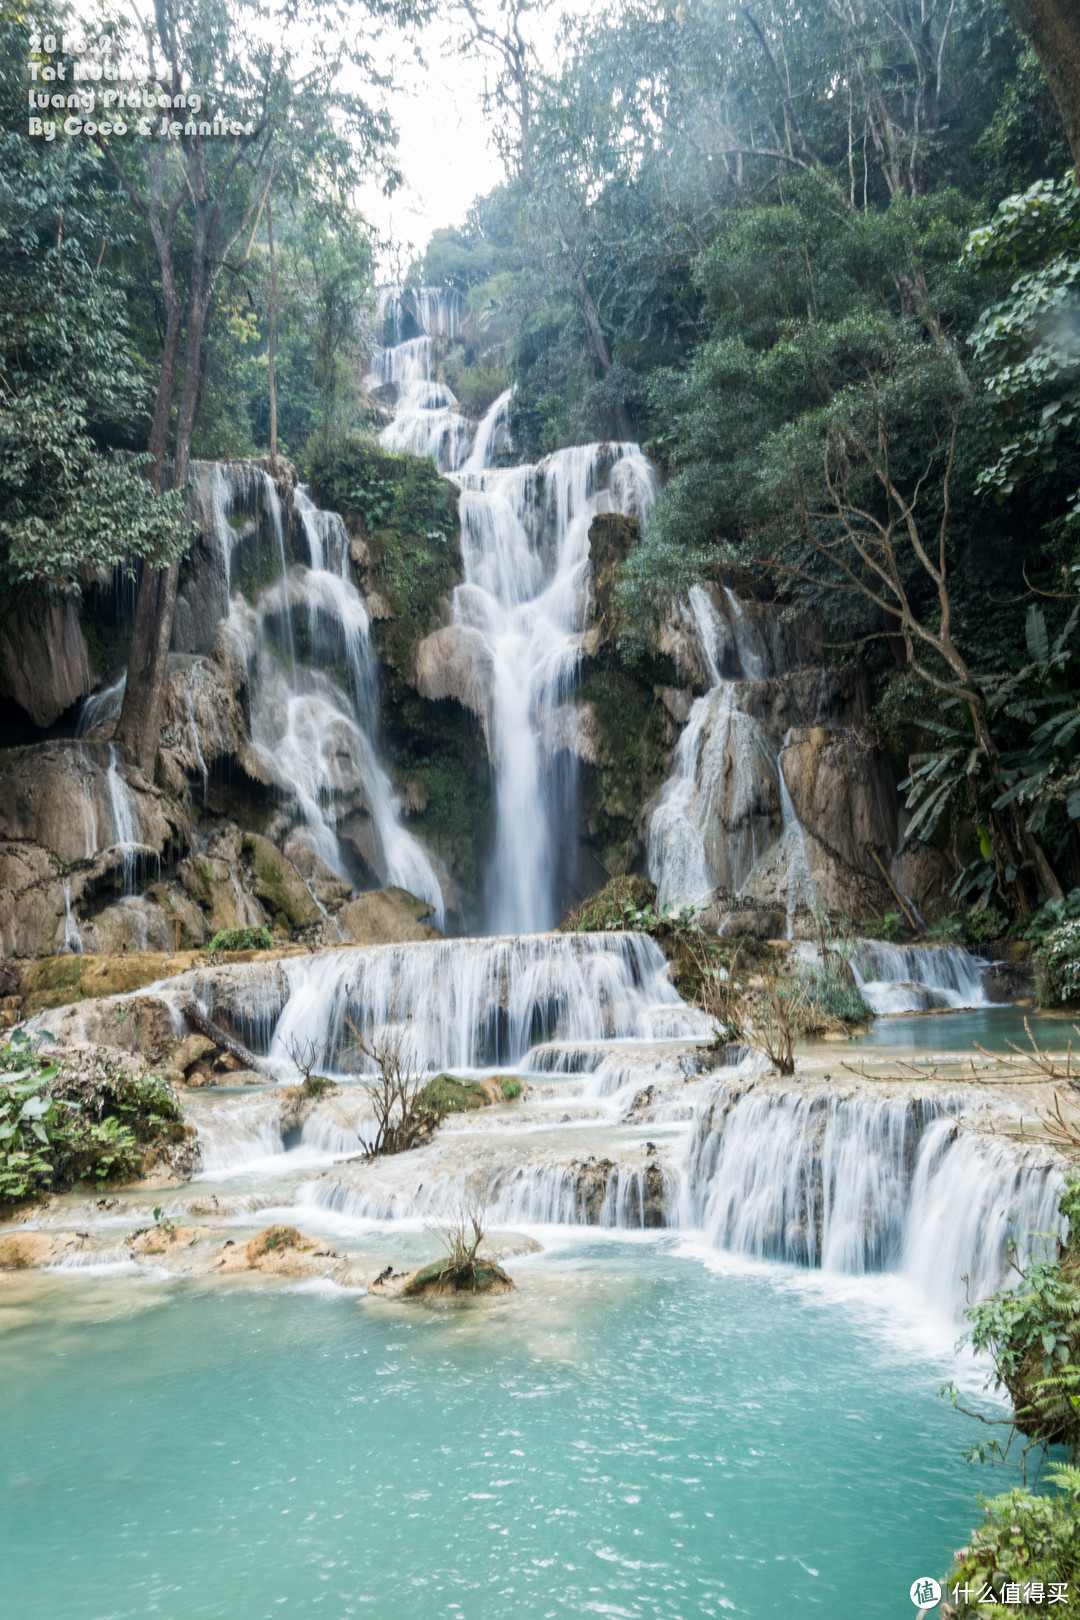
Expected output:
(1030, 340)
(447, 1094)
(1031, 1333)
(73, 383)
(1050, 915)
(835, 998)
(890, 928)
(510, 1087)
(1057, 964)
(409, 515)
(629, 903)
(985, 923)
(475, 386)
(1024, 1538)
(242, 939)
(62, 1122)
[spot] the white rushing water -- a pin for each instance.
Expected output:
(524, 600)
(917, 978)
(854, 1185)
(725, 802)
(480, 1003)
(315, 739)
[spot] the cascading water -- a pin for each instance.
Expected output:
(466, 1003)
(315, 740)
(725, 802)
(525, 546)
(857, 1185)
(917, 978)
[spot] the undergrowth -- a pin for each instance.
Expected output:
(75, 1119)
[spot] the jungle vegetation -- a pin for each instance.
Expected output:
(822, 261)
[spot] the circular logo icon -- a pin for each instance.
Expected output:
(925, 1592)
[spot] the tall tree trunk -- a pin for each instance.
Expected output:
(138, 730)
(272, 344)
(1053, 27)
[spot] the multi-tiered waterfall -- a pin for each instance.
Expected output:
(315, 739)
(726, 801)
(523, 602)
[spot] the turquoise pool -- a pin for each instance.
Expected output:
(630, 1435)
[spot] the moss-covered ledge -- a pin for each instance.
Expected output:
(404, 515)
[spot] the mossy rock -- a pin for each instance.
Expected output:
(446, 1094)
(279, 885)
(605, 910)
(272, 1238)
(438, 1279)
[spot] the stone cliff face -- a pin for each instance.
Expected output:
(94, 856)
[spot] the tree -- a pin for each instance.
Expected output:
(1029, 341)
(1053, 27)
(328, 267)
(199, 193)
(71, 381)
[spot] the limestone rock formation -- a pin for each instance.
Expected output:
(278, 884)
(77, 801)
(44, 661)
(455, 662)
(387, 917)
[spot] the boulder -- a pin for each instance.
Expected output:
(843, 793)
(281, 1251)
(278, 884)
(75, 799)
(44, 661)
(202, 719)
(162, 1240)
(456, 662)
(387, 917)
(439, 1278)
(330, 890)
(21, 1251)
(34, 905)
(145, 922)
(139, 1024)
(213, 880)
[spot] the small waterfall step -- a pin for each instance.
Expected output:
(918, 978)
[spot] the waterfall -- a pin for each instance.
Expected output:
(476, 1003)
(852, 1185)
(72, 941)
(124, 828)
(724, 803)
(917, 978)
(317, 742)
(101, 706)
(525, 547)
(584, 1194)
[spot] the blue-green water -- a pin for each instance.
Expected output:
(992, 1027)
(630, 1435)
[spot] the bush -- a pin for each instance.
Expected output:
(446, 1094)
(1057, 964)
(985, 923)
(510, 1088)
(1024, 1539)
(242, 939)
(889, 928)
(837, 999)
(82, 1118)
(630, 903)
(1051, 915)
